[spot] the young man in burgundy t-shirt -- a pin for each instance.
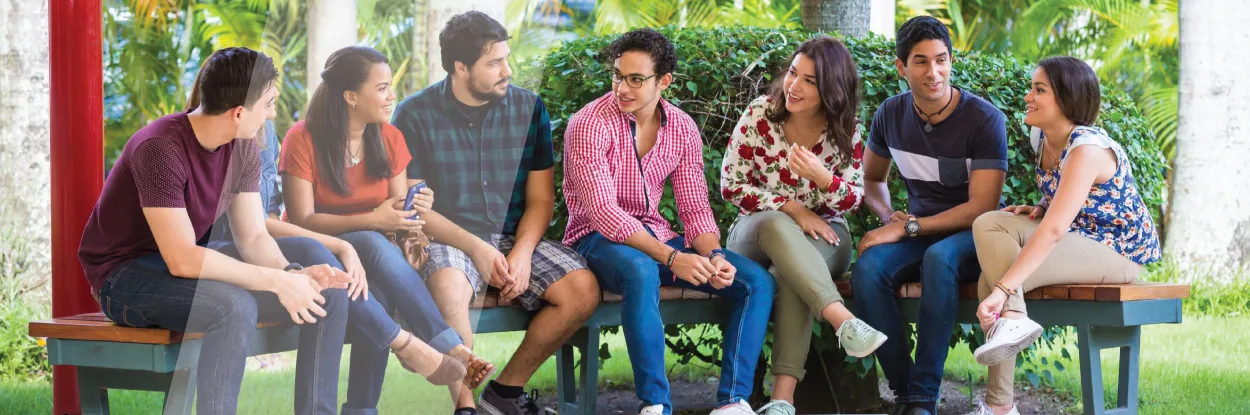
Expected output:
(144, 253)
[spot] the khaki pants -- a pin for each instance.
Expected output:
(804, 270)
(1076, 259)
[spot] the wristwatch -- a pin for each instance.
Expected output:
(716, 252)
(294, 266)
(912, 227)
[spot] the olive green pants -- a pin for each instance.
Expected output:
(804, 270)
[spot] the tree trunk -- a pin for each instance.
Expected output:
(438, 13)
(331, 26)
(419, 67)
(848, 17)
(831, 385)
(25, 194)
(1209, 221)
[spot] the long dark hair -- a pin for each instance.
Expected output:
(837, 84)
(327, 119)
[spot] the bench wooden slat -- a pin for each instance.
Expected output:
(689, 294)
(1084, 292)
(1055, 292)
(98, 327)
(1140, 291)
(83, 329)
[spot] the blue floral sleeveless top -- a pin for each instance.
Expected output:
(1114, 214)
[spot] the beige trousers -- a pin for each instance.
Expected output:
(1076, 259)
(803, 268)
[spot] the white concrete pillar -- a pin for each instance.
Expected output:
(331, 26)
(881, 18)
(438, 12)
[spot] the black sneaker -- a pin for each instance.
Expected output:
(493, 404)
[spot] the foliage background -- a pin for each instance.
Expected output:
(721, 69)
(153, 47)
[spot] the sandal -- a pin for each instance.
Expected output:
(478, 368)
(449, 371)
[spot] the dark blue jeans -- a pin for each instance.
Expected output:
(393, 285)
(143, 293)
(941, 263)
(633, 275)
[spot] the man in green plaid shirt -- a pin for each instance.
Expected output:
(486, 147)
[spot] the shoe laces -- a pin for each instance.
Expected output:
(527, 400)
(853, 329)
(998, 324)
(982, 409)
(783, 406)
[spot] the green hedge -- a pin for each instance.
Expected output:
(713, 84)
(708, 85)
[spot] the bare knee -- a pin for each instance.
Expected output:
(577, 293)
(451, 287)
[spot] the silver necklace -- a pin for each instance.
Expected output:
(355, 157)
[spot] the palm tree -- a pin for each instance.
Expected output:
(1208, 221)
(848, 17)
(1132, 43)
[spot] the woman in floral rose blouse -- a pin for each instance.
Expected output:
(794, 170)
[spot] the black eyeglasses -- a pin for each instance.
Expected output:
(634, 81)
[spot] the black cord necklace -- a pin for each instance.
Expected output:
(928, 126)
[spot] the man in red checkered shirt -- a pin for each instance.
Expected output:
(618, 152)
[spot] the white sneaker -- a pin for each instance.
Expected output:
(858, 338)
(982, 409)
(737, 408)
(1006, 339)
(777, 407)
(652, 410)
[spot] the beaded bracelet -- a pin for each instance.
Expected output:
(1008, 291)
(671, 257)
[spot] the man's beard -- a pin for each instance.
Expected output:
(486, 93)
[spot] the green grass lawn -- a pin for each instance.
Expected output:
(1199, 367)
(269, 391)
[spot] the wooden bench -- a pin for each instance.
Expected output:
(109, 356)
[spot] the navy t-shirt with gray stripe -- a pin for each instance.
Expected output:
(936, 165)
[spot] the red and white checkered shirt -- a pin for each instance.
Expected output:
(604, 189)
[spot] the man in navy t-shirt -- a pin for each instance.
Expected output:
(951, 150)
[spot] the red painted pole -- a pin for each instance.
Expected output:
(77, 124)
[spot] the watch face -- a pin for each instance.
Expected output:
(913, 227)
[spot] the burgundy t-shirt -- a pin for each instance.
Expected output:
(163, 166)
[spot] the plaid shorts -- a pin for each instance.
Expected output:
(551, 262)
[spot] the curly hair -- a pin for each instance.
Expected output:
(919, 29)
(466, 38)
(646, 40)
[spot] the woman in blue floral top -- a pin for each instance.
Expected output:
(1091, 225)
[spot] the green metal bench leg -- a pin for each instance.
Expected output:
(590, 371)
(566, 380)
(92, 395)
(1091, 340)
(573, 401)
(180, 397)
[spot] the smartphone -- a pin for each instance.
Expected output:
(412, 193)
